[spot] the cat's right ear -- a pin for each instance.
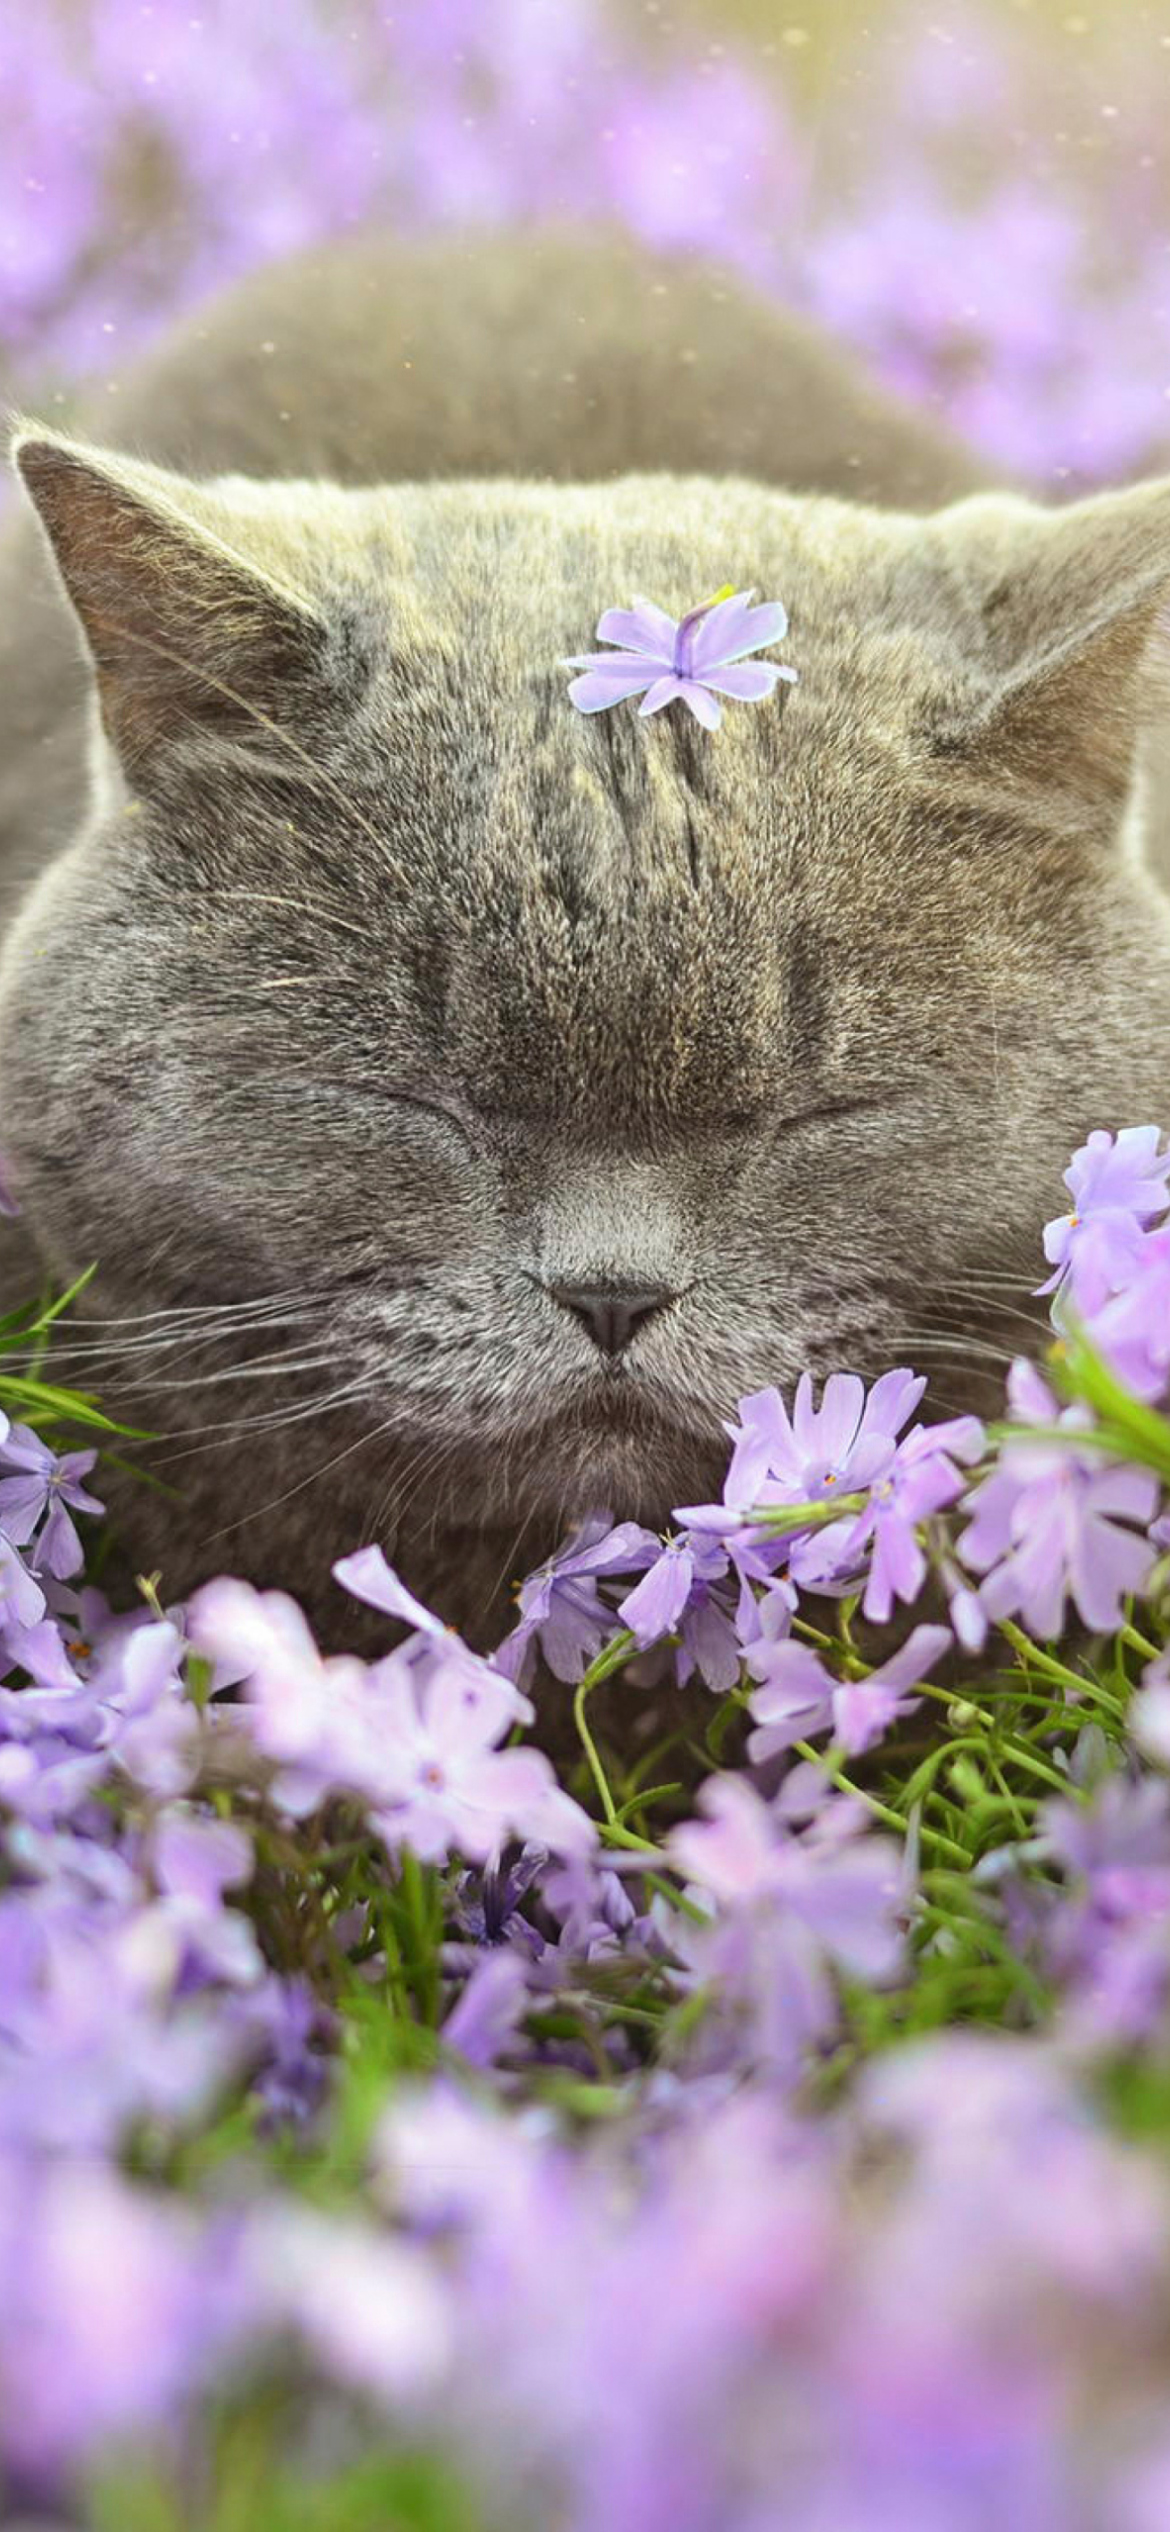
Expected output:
(192, 635)
(1057, 636)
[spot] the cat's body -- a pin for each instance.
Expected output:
(386, 1001)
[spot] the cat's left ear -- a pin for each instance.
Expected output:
(1064, 618)
(193, 634)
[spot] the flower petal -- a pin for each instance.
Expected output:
(703, 705)
(620, 664)
(752, 683)
(663, 691)
(735, 628)
(596, 693)
(643, 627)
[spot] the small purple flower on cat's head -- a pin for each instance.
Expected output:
(691, 660)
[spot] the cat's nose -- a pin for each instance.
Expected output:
(615, 1314)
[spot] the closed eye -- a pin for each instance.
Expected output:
(345, 1092)
(828, 1110)
(422, 1106)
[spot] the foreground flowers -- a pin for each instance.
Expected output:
(343, 2047)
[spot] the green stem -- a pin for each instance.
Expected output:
(880, 1810)
(781, 1517)
(1141, 1644)
(1050, 1668)
(611, 1659)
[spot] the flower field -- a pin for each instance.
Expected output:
(775, 2131)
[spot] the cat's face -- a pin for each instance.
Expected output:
(386, 981)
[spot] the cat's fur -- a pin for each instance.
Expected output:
(378, 992)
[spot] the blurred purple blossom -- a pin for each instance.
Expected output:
(415, 1737)
(940, 204)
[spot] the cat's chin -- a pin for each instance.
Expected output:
(636, 1465)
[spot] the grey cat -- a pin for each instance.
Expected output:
(467, 1101)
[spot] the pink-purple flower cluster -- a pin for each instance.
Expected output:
(659, 2151)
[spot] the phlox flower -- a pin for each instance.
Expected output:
(114, 2301)
(45, 1780)
(821, 1454)
(370, 1578)
(588, 1897)
(920, 1479)
(1149, 1712)
(845, 1887)
(194, 1859)
(22, 1601)
(484, 2019)
(38, 1492)
(148, 1723)
(96, 2029)
(447, 1784)
(677, 1596)
(818, 1453)
(692, 659)
(1105, 1937)
(1047, 1524)
(1118, 1184)
(787, 1910)
(798, 1696)
(371, 2310)
(318, 1719)
(413, 1737)
(1132, 1327)
(561, 1608)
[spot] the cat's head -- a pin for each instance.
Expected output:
(590, 1072)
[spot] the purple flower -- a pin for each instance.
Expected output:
(291, 2029)
(413, 1737)
(44, 1779)
(798, 1696)
(321, 1721)
(692, 660)
(446, 1784)
(486, 2016)
(1105, 1938)
(40, 1489)
(676, 1596)
(1132, 1327)
(823, 1452)
(845, 1888)
(1045, 1525)
(1149, 1712)
(22, 1602)
(561, 1608)
(788, 1909)
(1118, 1185)
(371, 2310)
(370, 1578)
(140, 1710)
(112, 2305)
(921, 1479)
